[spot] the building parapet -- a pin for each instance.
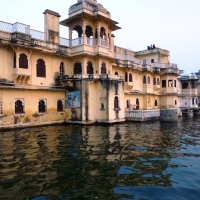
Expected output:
(126, 57)
(7, 30)
(151, 51)
(171, 71)
(91, 77)
(142, 115)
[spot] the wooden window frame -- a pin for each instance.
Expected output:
(23, 61)
(41, 106)
(19, 106)
(60, 105)
(41, 68)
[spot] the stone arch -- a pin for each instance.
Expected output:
(103, 68)
(88, 31)
(90, 69)
(77, 67)
(144, 80)
(78, 30)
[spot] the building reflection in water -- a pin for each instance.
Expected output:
(85, 162)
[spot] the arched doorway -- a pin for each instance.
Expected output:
(137, 104)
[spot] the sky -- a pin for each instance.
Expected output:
(173, 25)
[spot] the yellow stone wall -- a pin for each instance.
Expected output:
(30, 99)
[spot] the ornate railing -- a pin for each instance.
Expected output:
(103, 76)
(5, 27)
(127, 57)
(21, 28)
(64, 42)
(142, 114)
(103, 42)
(119, 56)
(158, 65)
(172, 65)
(37, 35)
(96, 42)
(77, 41)
(89, 41)
(171, 71)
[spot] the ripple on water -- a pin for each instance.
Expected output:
(123, 161)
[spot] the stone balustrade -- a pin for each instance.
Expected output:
(142, 115)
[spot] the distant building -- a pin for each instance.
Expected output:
(46, 79)
(188, 91)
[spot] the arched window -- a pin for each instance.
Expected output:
(19, 108)
(103, 68)
(116, 102)
(89, 68)
(59, 106)
(76, 30)
(156, 103)
(130, 77)
(148, 79)
(154, 81)
(23, 61)
(175, 102)
(77, 68)
(116, 73)
(103, 33)
(41, 68)
(158, 81)
(41, 106)
(126, 77)
(144, 80)
(62, 69)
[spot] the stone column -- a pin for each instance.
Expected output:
(83, 27)
(70, 37)
(98, 34)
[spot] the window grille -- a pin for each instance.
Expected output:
(130, 78)
(116, 102)
(41, 68)
(59, 106)
(89, 68)
(41, 106)
(126, 77)
(103, 68)
(144, 80)
(77, 68)
(19, 108)
(62, 69)
(23, 61)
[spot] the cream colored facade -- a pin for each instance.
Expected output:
(39, 71)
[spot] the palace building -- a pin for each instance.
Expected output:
(46, 79)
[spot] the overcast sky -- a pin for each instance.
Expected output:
(173, 25)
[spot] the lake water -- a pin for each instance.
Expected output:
(142, 161)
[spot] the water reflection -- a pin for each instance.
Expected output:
(123, 161)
